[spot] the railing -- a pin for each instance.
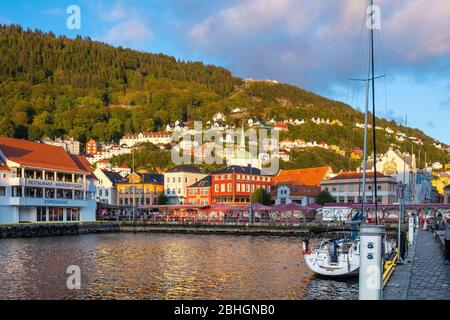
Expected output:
(389, 268)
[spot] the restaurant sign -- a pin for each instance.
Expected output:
(53, 184)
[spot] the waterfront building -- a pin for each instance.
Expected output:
(307, 176)
(177, 179)
(131, 140)
(147, 189)
(44, 183)
(199, 194)
(346, 187)
(91, 148)
(286, 193)
(234, 184)
(107, 186)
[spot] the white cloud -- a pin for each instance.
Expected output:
(131, 32)
(128, 25)
(313, 42)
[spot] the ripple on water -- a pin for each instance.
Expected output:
(159, 266)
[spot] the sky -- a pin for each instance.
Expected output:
(318, 45)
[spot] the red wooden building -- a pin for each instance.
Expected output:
(199, 194)
(231, 185)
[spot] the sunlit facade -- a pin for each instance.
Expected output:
(44, 183)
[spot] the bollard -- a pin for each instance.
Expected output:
(370, 262)
(411, 230)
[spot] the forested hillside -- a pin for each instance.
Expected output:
(55, 86)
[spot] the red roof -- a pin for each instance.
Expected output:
(44, 156)
(308, 176)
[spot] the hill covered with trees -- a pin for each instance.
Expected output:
(56, 86)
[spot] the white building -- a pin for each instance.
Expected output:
(70, 144)
(156, 138)
(286, 193)
(107, 186)
(177, 179)
(44, 183)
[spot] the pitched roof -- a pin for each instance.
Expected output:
(299, 189)
(308, 176)
(187, 168)
(153, 178)
(203, 183)
(114, 177)
(238, 170)
(41, 155)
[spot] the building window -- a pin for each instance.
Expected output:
(216, 188)
(229, 187)
(238, 187)
(55, 214)
(2, 191)
(73, 214)
(222, 187)
(41, 214)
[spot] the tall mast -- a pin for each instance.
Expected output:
(366, 120)
(373, 116)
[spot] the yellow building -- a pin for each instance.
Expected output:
(147, 188)
(441, 181)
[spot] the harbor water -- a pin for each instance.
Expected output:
(163, 266)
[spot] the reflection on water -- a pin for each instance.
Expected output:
(158, 266)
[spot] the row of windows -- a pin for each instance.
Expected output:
(49, 193)
(194, 191)
(137, 201)
(355, 188)
(137, 190)
(202, 202)
(242, 177)
(49, 175)
(175, 179)
(369, 199)
(45, 214)
(240, 187)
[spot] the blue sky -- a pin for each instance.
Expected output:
(310, 43)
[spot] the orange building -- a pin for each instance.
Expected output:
(199, 194)
(307, 177)
(91, 147)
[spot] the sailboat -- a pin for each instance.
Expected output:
(337, 257)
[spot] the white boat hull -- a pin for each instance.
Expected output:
(320, 262)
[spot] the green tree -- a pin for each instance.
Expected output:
(261, 196)
(325, 197)
(162, 199)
